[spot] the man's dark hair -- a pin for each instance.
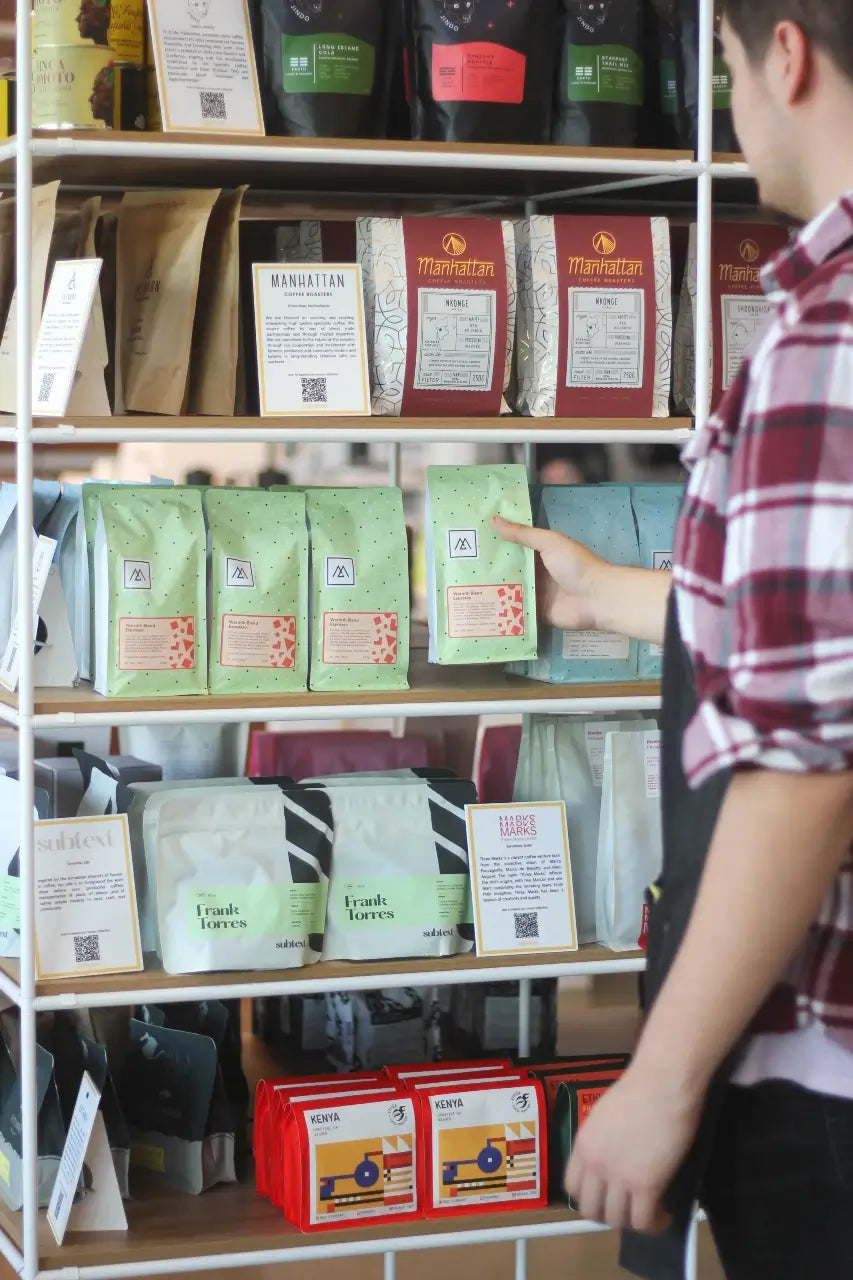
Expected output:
(827, 23)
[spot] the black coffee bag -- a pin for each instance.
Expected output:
(724, 138)
(601, 83)
(481, 70)
(666, 121)
(326, 66)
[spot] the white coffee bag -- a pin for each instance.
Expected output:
(630, 850)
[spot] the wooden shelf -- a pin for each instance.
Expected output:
(434, 691)
(329, 975)
(235, 1219)
(101, 431)
(102, 160)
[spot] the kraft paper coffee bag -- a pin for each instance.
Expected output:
(149, 592)
(382, 906)
(602, 518)
(159, 252)
(215, 343)
(656, 508)
(258, 591)
(630, 851)
(601, 82)
(440, 304)
(482, 592)
(327, 67)
(359, 589)
(740, 310)
(594, 317)
(481, 70)
(43, 216)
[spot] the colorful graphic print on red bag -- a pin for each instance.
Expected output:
(156, 644)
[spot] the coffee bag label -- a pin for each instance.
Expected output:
(156, 644)
(250, 641)
(477, 72)
(428, 902)
(360, 639)
(604, 645)
(480, 613)
(327, 63)
(651, 760)
(362, 1159)
(458, 308)
(288, 912)
(605, 73)
(740, 310)
(487, 1146)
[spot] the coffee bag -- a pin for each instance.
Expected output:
(381, 907)
(629, 843)
(562, 758)
(159, 252)
(360, 589)
(481, 70)
(740, 311)
(482, 593)
(215, 343)
(43, 215)
(242, 877)
(149, 592)
(327, 68)
(258, 591)
(484, 1146)
(440, 301)
(594, 317)
(602, 518)
(655, 511)
(602, 78)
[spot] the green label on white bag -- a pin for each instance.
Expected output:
(257, 911)
(393, 902)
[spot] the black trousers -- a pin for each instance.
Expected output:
(779, 1188)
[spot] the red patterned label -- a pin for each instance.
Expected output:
(360, 639)
(156, 644)
(255, 641)
(485, 612)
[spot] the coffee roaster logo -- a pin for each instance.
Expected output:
(604, 242)
(749, 251)
(454, 244)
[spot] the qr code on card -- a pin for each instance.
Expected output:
(315, 391)
(526, 925)
(212, 106)
(47, 381)
(87, 948)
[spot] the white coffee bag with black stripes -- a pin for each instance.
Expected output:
(242, 877)
(400, 882)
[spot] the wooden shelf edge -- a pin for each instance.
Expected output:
(150, 422)
(343, 972)
(235, 1219)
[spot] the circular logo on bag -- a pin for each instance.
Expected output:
(398, 1114)
(604, 242)
(454, 244)
(520, 1102)
(591, 14)
(749, 251)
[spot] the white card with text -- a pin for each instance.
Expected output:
(100, 1208)
(312, 347)
(44, 550)
(64, 325)
(521, 878)
(205, 63)
(86, 915)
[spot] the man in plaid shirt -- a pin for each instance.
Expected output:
(750, 1036)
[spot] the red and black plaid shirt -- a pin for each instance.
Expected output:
(764, 575)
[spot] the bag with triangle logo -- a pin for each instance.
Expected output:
(359, 589)
(656, 509)
(257, 590)
(481, 589)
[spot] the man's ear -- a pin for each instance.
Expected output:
(790, 62)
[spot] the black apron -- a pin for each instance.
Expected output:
(689, 819)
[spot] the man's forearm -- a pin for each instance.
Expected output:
(632, 602)
(778, 845)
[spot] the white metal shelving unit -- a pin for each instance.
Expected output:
(174, 1236)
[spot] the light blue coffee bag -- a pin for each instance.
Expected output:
(600, 517)
(656, 509)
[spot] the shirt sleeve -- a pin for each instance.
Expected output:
(785, 698)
